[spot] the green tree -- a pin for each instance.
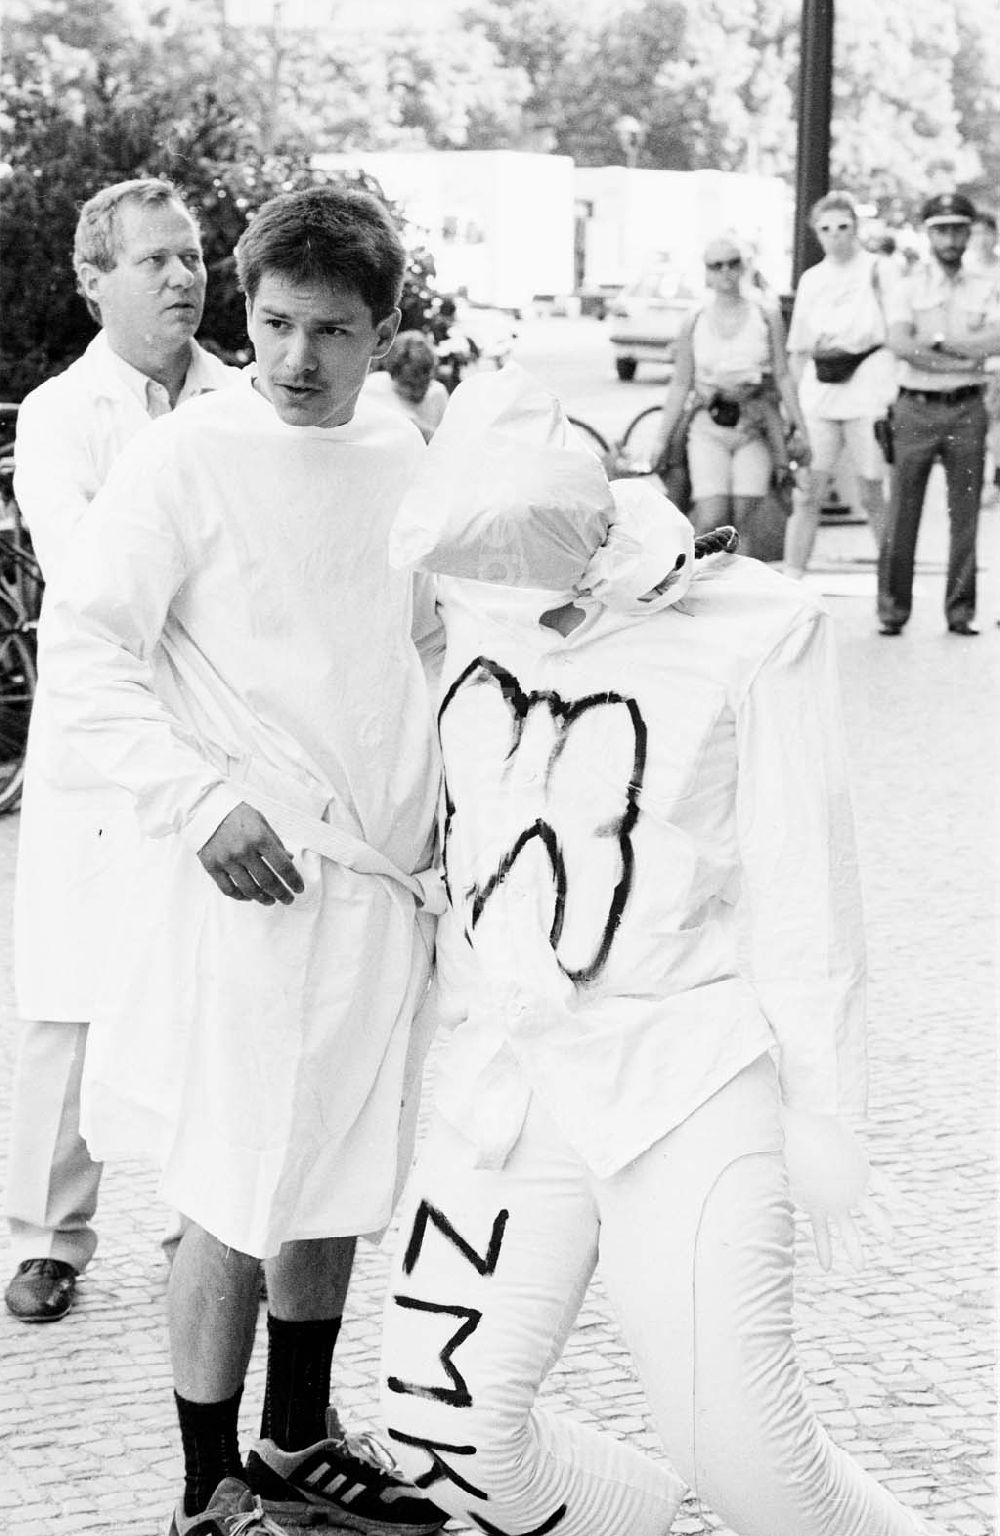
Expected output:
(977, 94)
(92, 97)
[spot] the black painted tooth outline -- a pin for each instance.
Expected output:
(564, 714)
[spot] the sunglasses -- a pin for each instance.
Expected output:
(830, 229)
(731, 264)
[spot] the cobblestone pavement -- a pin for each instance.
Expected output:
(899, 1358)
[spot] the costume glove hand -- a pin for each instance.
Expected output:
(829, 1175)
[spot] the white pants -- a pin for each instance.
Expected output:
(695, 1244)
(52, 1180)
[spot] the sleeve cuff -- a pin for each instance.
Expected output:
(211, 811)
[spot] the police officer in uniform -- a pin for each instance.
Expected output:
(944, 322)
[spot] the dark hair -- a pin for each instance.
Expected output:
(409, 346)
(329, 234)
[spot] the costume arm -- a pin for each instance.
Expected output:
(104, 618)
(55, 477)
(800, 890)
(428, 628)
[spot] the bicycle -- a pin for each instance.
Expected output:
(20, 603)
(594, 440)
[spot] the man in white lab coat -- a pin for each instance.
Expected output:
(138, 260)
(234, 650)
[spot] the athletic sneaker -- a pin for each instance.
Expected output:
(232, 1511)
(348, 1482)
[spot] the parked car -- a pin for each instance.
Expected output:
(647, 315)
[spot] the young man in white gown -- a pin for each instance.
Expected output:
(231, 647)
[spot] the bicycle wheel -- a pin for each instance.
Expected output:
(593, 439)
(18, 677)
(640, 441)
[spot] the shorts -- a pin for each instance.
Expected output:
(726, 461)
(829, 438)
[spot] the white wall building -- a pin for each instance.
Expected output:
(498, 222)
(626, 217)
(505, 226)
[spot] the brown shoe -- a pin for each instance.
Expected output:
(42, 1291)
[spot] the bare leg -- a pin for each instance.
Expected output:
(754, 523)
(212, 1312)
(308, 1280)
(800, 530)
(711, 512)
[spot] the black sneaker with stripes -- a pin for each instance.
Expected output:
(349, 1482)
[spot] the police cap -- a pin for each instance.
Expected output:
(948, 208)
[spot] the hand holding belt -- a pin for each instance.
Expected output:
(310, 831)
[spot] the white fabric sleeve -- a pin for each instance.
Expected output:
(54, 476)
(800, 890)
(103, 621)
(428, 628)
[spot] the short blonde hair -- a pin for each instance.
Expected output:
(97, 240)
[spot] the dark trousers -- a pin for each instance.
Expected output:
(956, 435)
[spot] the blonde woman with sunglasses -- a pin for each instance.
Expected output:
(731, 356)
(844, 372)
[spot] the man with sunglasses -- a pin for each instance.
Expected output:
(844, 372)
(944, 322)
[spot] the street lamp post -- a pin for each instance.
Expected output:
(631, 135)
(812, 164)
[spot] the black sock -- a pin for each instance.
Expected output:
(297, 1393)
(210, 1438)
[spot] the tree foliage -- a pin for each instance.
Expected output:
(114, 88)
(92, 98)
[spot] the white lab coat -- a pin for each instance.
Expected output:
(231, 630)
(70, 430)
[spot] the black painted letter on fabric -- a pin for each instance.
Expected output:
(439, 1469)
(484, 1264)
(540, 1530)
(457, 1394)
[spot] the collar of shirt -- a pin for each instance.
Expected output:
(153, 396)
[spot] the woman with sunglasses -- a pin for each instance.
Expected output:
(731, 357)
(844, 371)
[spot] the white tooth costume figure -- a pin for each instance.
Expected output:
(653, 968)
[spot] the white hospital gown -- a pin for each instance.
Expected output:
(229, 628)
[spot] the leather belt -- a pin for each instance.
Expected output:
(943, 396)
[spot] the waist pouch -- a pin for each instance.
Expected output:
(725, 413)
(837, 367)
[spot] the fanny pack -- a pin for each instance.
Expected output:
(725, 413)
(836, 367)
